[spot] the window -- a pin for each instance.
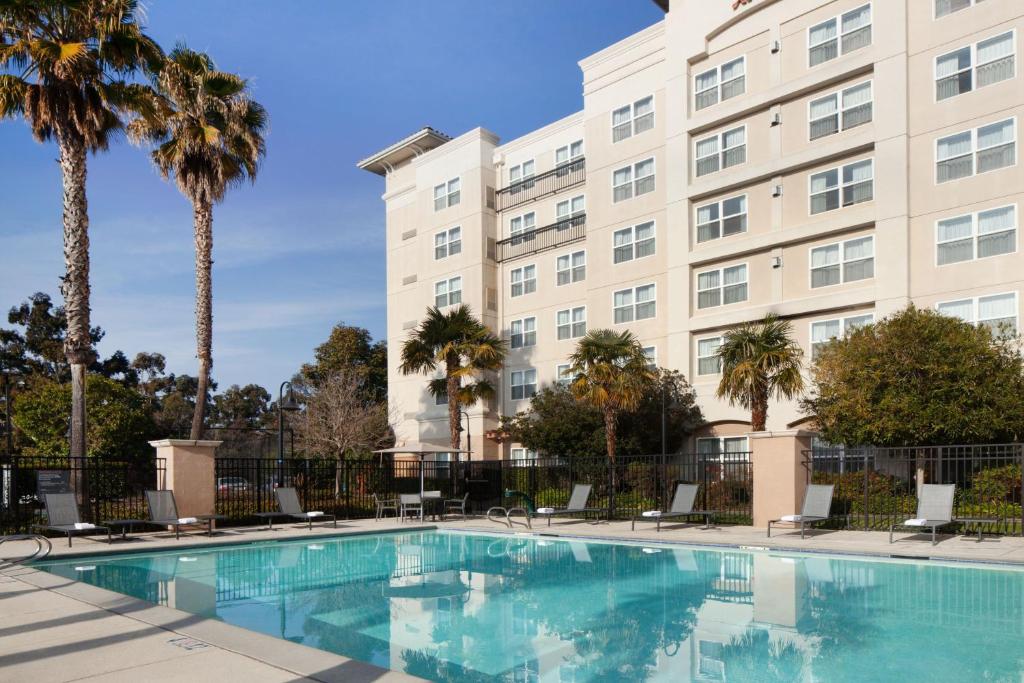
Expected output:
(447, 243)
(975, 66)
(983, 149)
(839, 35)
(448, 292)
(944, 7)
(651, 354)
(523, 280)
(520, 176)
(844, 186)
(446, 194)
(441, 399)
(569, 153)
(841, 110)
(841, 262)
(719, 84)
(633, 180)
(721, 151)
(571, 268)
(563, 374)
(722, 287)
(524, 384)
(569, 208)
(520, 454)
(523, 333)
(634, 304)
(708, 360)
(976, 235)
(824, 331)
(720, 448)
(571, 323)
(634, 242)
(996, 311)
(722, 219)
(633, 119)
(522, 224)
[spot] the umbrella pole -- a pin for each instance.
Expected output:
(421, 487)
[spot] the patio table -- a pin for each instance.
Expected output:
(126, 525)
(980, 522)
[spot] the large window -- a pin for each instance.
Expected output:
(571, 268)
(976, 235)
(971, 152)
(843, 186)
(519, 225)
(563, 374)
(568, 153)
(448, 292)
(975, 66)
(720, 151)
(722, 286)
(719, 84)
(708, 360)
(841, 110)
(997, 311)
(523, 333)
(446, 194)
(824, 331)
(849, 261)
(634, 180)
(651, 354)
(523, 280)
(839, 35)
(520, 455)
(634, 242)
(727, 448)
(520, 176)
(571, 323)
(633, 119)
(636, 303)
(944, 7)
(448, 243)
(722, 219)
(523, 384)
(568, 208)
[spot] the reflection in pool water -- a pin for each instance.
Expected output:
(472, 607)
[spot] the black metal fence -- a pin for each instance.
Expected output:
(877, 486)
(107, 489)
(535, 187)
(548, 237)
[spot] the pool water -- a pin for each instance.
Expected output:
(451, 606)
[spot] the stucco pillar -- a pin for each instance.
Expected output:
(780, 478)
(189, 472)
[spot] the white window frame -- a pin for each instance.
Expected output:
(840, 186)
(447, 242)
(720, 152)
(521, 454)
(975, 150)
(449, 197)
(721, 285)
(975, 235)
(448, 282)
(975, 305)
(562, 376)
(631, 122)
(523, 232)
(632, 244)
(841, 263)
(840, 109)
(569, 204)
(571, 269)
(523, 377)
(844, 328)
(570, 158)
(721, 218)
(651, 354)
(523, 181)
(719, 83)
(722, 456)
(634, 179)
(696, 350)
(523, 280)
(571, 326)
(935, 9)
(840, 52)
(632, 305)
(524, 333)
(974, 65)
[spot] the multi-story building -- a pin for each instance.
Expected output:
(829, 161)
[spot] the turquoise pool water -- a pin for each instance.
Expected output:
(449, 606)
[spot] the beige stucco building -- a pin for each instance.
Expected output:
(829, 161)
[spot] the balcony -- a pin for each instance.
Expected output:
(565, 176)
(550, 236)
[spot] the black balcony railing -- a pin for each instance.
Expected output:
(541, 239)
(565, 176)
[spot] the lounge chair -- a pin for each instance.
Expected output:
(456, 506)
(817, 503)
(288, 506)
(382, 505)
(682, 508)
(163, 511)
(62, 515)
(410, 503)
(577, 504)
(934, 509)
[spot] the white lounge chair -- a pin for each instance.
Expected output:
(817, 503)
(934, 509)
(682, 508)
(577, 504)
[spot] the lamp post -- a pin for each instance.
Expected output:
(291, 405)
(7, 411)
(469, 437)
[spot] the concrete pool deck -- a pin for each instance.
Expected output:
(52, 629)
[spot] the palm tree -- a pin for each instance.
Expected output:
(760, 360)
(209, 137)
(62, 65)
(464, 347)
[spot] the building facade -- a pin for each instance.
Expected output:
(828, 161)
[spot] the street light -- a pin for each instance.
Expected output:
(7, 410)
(291, 405)
(469, 436)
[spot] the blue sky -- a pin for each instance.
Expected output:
(303, 248)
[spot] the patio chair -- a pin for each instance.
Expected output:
(289, 506)
(682, 508)
(934, 509)
(456, 506)
(817, 503)
(382, 505)
(409, 503)
(577, 504)
(62, 515)
(163, 511)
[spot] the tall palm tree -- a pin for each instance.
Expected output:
(464, 347)
(760, 360)
(209, 137)
(62, 69)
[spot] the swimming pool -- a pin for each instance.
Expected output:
(451, 606)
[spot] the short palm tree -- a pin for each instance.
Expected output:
(209, 137)
(62, 69)
(463, 347)
(760, 360)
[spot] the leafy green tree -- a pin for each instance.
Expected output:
(760, 360)
(62, 69)
(918, 378)
(463, 347)
(348, 350)
(240, 406)
(640, 430)
(209, 135)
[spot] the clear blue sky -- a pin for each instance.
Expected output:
(303, 249)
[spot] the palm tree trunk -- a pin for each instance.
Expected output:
(611, 437)
(759, 413)
(203, 225)
(454, 409)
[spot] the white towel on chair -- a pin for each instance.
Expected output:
(187, 520)
(315, 513)
(84, 525)
(915, 522)
(790, 518)
(545, 511)
(651, 513)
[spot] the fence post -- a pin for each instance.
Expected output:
(779, 479)
(347, 479)
(868, 453)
